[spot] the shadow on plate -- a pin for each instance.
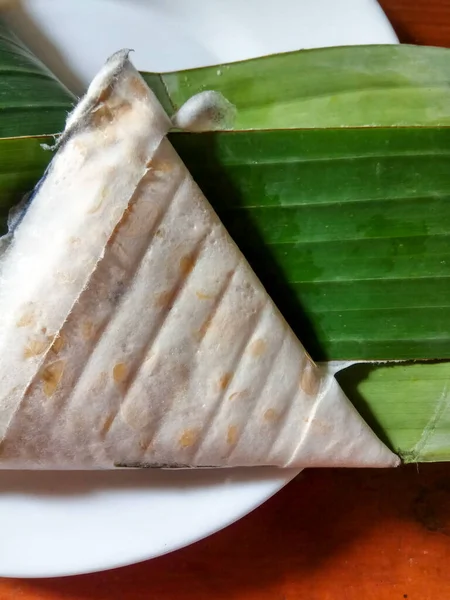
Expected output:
(69, 483)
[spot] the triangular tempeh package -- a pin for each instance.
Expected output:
(132, 330)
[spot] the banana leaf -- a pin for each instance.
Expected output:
(32, 101)
(357, 257)
(347, 228)
(335, 184)
(33, 105)
(407, 405)
(351, 86)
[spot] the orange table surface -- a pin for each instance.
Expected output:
(330, 534)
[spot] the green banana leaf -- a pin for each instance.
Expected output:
(347, 228)
(33, 104)
(32, 101)
(349, 231)
(341, 203)
(407, 405)
(351, 86)
(22, 163)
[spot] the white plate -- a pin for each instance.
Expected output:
(65, 523)
(73, 37)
